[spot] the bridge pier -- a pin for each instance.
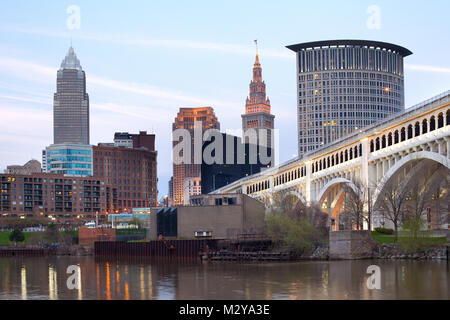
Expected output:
(351, 244)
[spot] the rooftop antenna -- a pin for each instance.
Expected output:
(256, 45)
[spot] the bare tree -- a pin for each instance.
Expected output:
(392, 204)
(426, 192)
(355, 202)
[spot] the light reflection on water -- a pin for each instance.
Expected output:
(46, 278)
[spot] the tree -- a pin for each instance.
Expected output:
(392, 204)
(52, 233)
(356, 200)
(16, 236)
(295, 226)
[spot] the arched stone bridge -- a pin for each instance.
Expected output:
(396, 150)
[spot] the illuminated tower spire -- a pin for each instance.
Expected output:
(257, 101)
(257, 108)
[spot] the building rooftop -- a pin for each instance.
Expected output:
(358, 43)
(71, 61)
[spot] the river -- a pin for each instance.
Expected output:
(47, 277)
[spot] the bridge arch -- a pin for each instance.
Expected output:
(421, 155)
(297, 194)
(332, 183)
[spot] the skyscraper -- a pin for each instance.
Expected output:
(71, 103)
(257, 108)
(344, 85)
(186, 119)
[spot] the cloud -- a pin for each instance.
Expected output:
(24, 99)
(143, 41)
(37, 72)
(417, 67)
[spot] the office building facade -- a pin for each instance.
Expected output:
(237, 162)
(68, 159)
(186, 119)
(71, 103)
(131, 176)
(345, 85)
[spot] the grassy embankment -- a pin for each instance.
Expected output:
(4, 236)
(384, 238)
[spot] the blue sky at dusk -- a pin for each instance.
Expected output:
(146, 59)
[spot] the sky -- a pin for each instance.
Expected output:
(146, 59)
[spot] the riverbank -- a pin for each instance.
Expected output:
(40, 251)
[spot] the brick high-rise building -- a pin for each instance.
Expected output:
(130, 172)
(53, 196)
(186, 119)
(257, 108)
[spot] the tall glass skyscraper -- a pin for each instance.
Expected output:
(344, 85)
(71, 103)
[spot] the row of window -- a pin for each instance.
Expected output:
(410, 131)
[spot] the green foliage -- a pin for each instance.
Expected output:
(413, 226)
(384, 238)
(129, 232)
(52, 233)
(294, 226)
(416, 240)
(384, 231)
(296, 235)
(16, 236)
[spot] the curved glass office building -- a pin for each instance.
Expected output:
(69, 159)
(344, 85)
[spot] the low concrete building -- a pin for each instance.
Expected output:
(32, 166)
(210, 216)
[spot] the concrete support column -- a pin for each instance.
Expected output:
(448, 147)
(364, 176)
(391, 160)
(441, 146)
(377, 171)
(308, 183)
(430, 145)
(383, 167)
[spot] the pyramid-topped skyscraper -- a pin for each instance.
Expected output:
(71, 103)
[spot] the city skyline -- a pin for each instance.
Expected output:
(210, 68)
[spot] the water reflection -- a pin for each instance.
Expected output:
(52, 283)
(136, 279)
(23, 280)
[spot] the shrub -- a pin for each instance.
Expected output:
(384, 231)
(17, 236)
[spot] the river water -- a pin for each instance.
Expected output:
(47, 278)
